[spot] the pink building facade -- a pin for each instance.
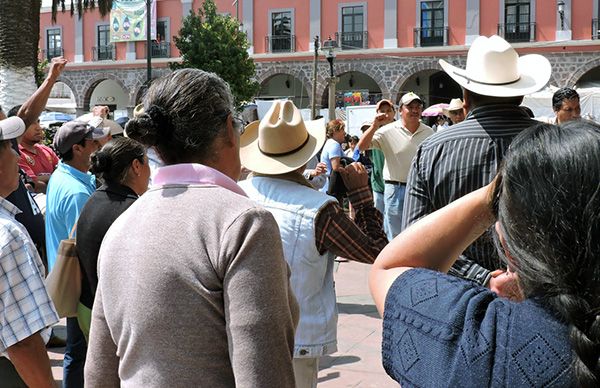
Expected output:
(386, 47)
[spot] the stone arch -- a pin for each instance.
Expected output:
(272, 71)
(91, 84)
(342, 71)
(67, 81)
(264, 74)
(374, 72)
(580, 72)
(286, 84)
(420, 66)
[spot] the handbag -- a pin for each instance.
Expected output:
(64, 280)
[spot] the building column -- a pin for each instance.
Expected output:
(390, 24)
(565, 32)
(78, 21)
(130, 54)
(186, 7)
(315, 23)
(248, 22)
(472, 31)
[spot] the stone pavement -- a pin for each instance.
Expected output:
(358, 360)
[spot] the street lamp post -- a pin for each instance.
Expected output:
(313, 114)
(561, 13)
(148, 41)
(330, 47)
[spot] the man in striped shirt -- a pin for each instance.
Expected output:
(466, 157)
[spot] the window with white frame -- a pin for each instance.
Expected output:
(281, 38)
(517, 23)
(53, 43)
(353, 31)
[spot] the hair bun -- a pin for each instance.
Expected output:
(162, 120)
(142, 129)
(101, 162)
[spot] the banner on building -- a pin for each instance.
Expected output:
(128, 20)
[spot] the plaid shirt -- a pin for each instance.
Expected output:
(26, 306)
(359, 240)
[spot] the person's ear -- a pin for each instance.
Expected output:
(76, 148)
(231, 133)
(509, 257)
(136, 167)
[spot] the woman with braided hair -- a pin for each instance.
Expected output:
(444, 331)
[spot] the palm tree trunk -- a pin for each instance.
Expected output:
(19, 36)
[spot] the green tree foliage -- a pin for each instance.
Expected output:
(103, 6)
(215, 43)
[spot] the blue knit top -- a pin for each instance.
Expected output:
(442, 331)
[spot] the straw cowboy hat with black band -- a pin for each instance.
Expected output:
(282, 141)
(455, 104)
(495, 69)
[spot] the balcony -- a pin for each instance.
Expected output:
(280, 43)
(352, 40)
(52, 53)
(161, 49)
(104, 53)
(517, 32)
(595, 29)
(431, 36)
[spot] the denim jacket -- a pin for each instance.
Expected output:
(295, 208)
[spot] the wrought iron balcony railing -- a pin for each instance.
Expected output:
(517, 32)
(160, 49)
(52, 53)
(104, 53)
(280, 43)
(352, 40)
(431, 36)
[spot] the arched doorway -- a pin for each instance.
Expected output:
(433, 86)
(354, 88)
(590, 79)
(285, 86)
(107, 92)
(62, 99)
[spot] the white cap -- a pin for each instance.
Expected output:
(11, 128)
(409, 97)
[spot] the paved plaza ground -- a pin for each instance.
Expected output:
(358, 360)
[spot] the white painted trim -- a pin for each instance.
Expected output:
(390, 43)
(469, 39)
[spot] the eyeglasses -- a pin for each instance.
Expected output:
(238, 122)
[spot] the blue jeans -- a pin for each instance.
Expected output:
(74, 355)
(394, 202)
(378, 202)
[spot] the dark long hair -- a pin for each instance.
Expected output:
(112, 161)
(549, 213)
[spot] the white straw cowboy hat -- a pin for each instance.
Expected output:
(455, 104)
(495, 69)
(282, 141)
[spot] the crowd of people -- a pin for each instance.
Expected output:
(482, 236)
